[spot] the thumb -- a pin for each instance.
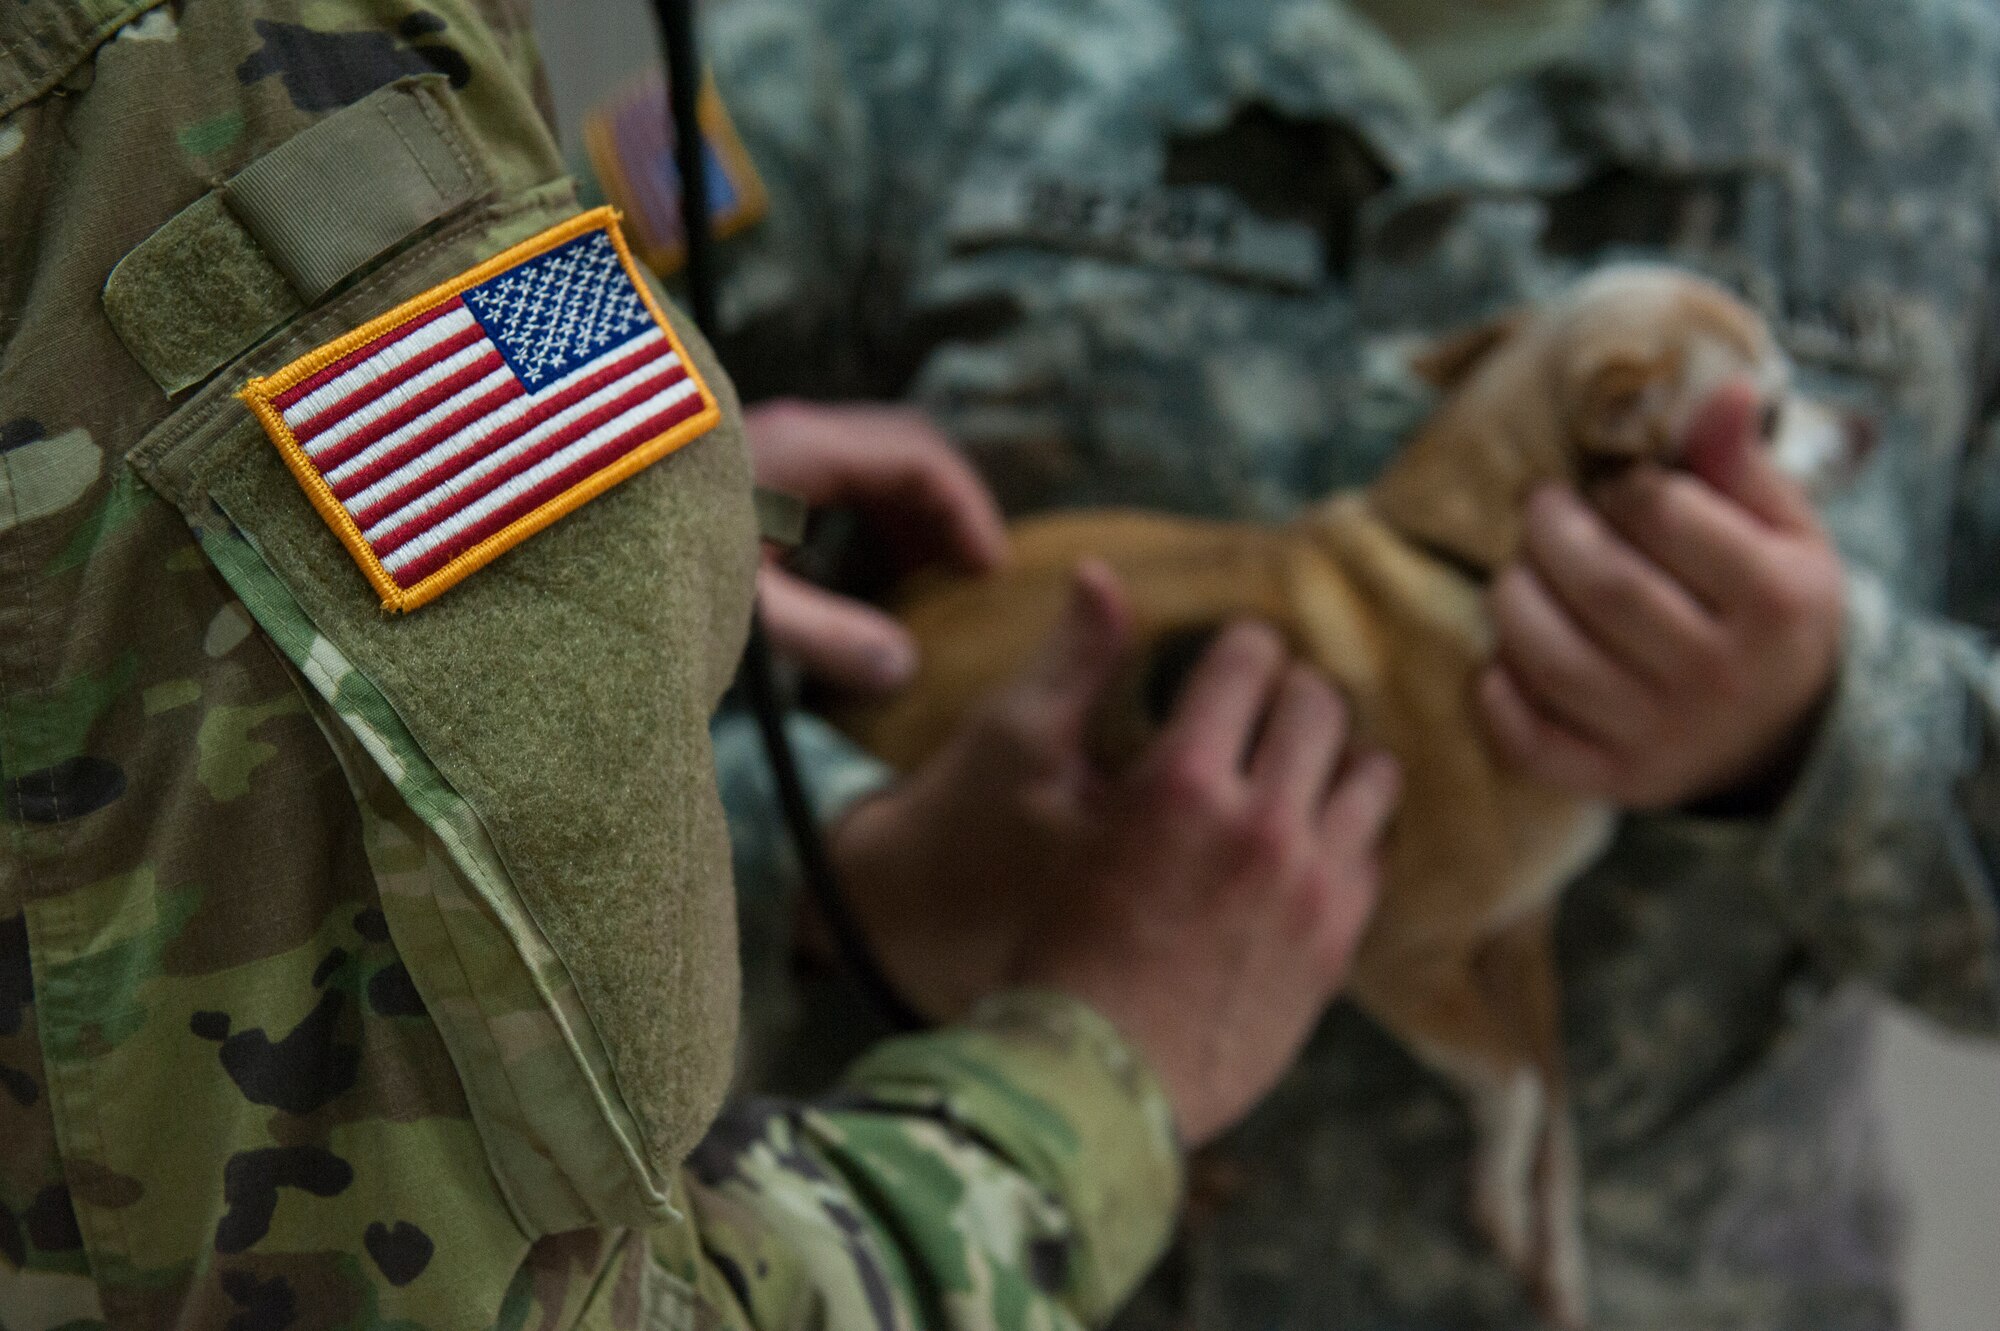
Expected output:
(1082, 653)
(846, 643)
(1725, 448)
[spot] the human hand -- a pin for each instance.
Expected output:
(921, 495)
(1213, 908)
(947, 870)
(1676, 643)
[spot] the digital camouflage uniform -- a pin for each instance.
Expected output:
(1175, 254)
(370, 971)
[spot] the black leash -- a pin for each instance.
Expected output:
(758, 675)
(683, 61)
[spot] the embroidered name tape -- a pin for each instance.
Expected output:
(1198, 227)
(459, 424)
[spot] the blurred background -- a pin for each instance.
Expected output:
(1942, 1095)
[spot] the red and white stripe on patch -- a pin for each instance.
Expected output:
(462, 422)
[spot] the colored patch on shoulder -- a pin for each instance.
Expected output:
(632, 151)
(459, 424)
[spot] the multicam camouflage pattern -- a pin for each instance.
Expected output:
(1072, 230)
(279, 1045)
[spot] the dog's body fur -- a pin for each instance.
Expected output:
(1383, 590)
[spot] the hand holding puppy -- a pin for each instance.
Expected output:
(1207, 901)
(1674, 644)
(949, 869)
(1222, 898)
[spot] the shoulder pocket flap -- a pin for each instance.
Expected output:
(283, 232)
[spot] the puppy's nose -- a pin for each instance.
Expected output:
(1862, 434)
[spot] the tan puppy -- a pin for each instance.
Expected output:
(1383, 589)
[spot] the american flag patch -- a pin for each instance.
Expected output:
(462, 422)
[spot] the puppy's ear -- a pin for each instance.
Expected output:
(1615, 407)
(1446, 363)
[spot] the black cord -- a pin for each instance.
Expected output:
(683, 61)
(759, 680)
(758, 676)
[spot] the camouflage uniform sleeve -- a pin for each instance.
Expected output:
(1018, 1170)
(1884, 857)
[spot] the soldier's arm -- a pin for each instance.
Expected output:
(1870, 831)
(1820, 741)
(1022, 1164)
(1885, 854)
(538, 837)
(1882, 853)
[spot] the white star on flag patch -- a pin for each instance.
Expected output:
(457, 425)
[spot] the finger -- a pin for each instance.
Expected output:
(847, 644)
(1711, 545)
(1301, 742)
(1557, 666)
(924, 495)
(1724, 447)
(1224, 698)
(1080, 656)
(965, 516)
(1358, 809)
(1633, 609)
(1537, 745)
(1351, 828)
(891, 461)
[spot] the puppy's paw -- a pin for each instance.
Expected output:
(1509, 1118)
(1560, 1280)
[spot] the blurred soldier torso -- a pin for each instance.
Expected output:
(1177, 255)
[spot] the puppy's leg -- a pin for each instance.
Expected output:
(1517, 968)
(1447, 1015)
(1564, 1284)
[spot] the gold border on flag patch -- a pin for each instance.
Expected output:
(449, 430)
